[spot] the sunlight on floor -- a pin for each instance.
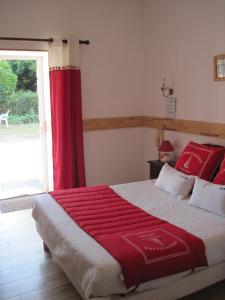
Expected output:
(20, 161)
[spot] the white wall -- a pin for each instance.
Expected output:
(111, 66)
(134, 44)
(181, 38)
(124, 159)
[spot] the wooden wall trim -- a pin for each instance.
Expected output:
(186, 126)
(112, 123)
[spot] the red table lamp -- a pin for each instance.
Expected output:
(166, 151)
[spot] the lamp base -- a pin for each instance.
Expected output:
(166, 156)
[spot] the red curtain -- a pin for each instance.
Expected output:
(67, 129)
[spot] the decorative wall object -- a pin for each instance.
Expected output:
(219, 67)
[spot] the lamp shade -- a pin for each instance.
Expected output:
(166, 146)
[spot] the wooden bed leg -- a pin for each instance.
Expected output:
(46, 249)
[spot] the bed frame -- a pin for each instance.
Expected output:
(181, 287)
(196, 280)
(184, 286)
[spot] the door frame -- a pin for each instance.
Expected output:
(43, 91)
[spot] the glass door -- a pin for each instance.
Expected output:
(25, 124)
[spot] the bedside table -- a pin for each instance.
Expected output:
(155, 167)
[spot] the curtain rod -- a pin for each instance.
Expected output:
(50, 40)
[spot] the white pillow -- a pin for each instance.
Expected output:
(175, 182)
(208, 196)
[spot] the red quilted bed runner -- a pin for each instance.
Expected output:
(145, 246)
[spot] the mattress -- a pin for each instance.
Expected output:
(92, 270)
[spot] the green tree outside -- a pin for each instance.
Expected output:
(18, 86)
(26, 73)
(8, 82)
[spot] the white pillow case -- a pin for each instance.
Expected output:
(208, 196)
(175, 182)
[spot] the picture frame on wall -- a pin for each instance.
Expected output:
(219, 67)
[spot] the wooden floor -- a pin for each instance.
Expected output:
(27, 273)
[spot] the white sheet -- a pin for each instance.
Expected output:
(93, 271)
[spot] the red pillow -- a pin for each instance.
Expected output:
(220, 177)
(199, 160)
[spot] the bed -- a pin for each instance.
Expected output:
(97, 275)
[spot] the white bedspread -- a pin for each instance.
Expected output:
(92, 270)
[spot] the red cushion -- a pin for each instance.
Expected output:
(220, 177)
(199, 160)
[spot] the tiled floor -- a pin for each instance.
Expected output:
(28, 273)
